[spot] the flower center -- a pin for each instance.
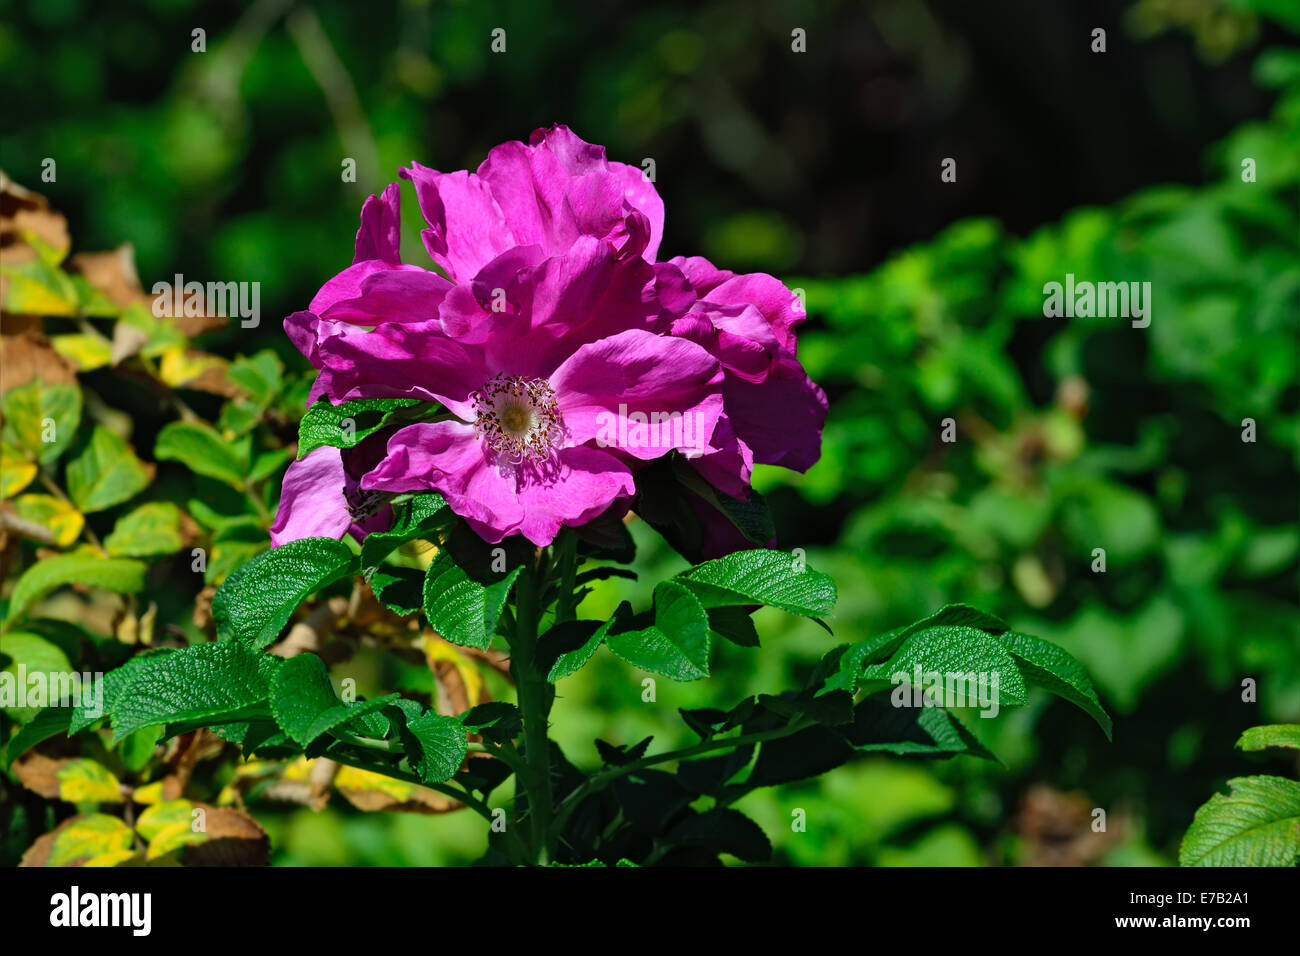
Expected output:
(517, 416)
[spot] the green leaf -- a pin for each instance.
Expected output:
(42, 418)
(200, 447)
(495, 720)
(218, 682)
(114, 681)
(910, 731)
(723, 830)
(461, 609)
(1271, 735)
(36, 656)
(734, 624)
(49, 722)
(960, 655)
(346, 424)
(808, 753)
(677, 644)
(761, 577)
(423, 516)
(106, 473)
(566, 647)
(255, 602)
(1257, 824)
(1047, 665)
(121, 575)
(260, 375)
(401, 590)
(304, 704)
(150, 529)
(436, 746)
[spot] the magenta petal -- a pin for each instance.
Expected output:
(575, 487)
(380, 234)
(728, 465)
(746, 344)
(466, 227)
(643, 393)
(782, 309)
(449, 458)
(641, 195)
(400, 294)
(780, 418)
(569, 300)
(702, 274)
(347, 284)
(404, 361)
(312, 499)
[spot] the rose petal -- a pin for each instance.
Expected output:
(669, 384)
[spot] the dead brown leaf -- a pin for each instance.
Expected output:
(234, 839)
(28, 355)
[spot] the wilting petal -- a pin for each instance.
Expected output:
(669, 384)
(313, 500)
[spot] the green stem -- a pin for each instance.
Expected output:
(567, 563)
(534, 706)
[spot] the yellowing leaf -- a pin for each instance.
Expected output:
(95, 839)
(60, 518)
(16, 471)
(456, 675)
(42, 418)
(86, 352)
(177, 367)
(84, 781)
(37, 288)
(374, 792)
(171, 825)
(149, 794)
(174, 837)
